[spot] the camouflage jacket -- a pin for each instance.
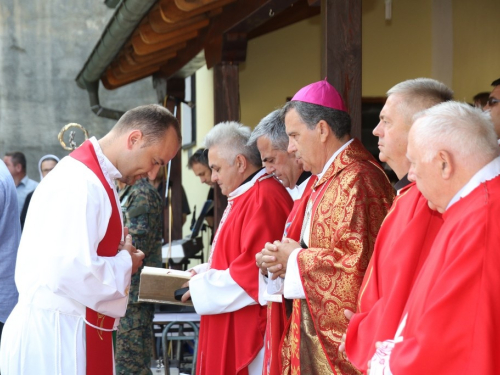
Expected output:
(142, 213)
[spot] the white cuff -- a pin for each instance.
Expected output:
(215, 292)
(200, 268)
(293, 288)
(275, 286)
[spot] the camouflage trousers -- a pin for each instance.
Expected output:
(134, 341)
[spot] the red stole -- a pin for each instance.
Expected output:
(276, 312)
(99, 343)
(401, 249)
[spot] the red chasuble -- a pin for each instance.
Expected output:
(99, 343)
(276, 312)
(454, 307)
(401, 248)
(350, 202)
(229, 342)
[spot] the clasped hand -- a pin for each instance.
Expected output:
(274, 257)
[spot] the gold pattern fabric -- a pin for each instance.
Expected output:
(346, 220)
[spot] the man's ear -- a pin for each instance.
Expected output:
(241, 163)
(446, 164)
(133, 138)
(323, 130)
(18, 167)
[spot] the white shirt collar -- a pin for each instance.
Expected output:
(488, 172)
(247, 185)
(108, 169)
(298, 190)
(330, 161)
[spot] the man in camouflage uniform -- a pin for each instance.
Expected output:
(142, 208)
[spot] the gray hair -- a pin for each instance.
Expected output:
(420, 94)
(311, 114)
(233, 136)
(273, 128)
(465, 131)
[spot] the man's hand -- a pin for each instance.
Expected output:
(348, 314)
(275, 256)
(136, 255)
(187, 295)
(259, 261)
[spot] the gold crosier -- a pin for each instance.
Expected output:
(72, 144)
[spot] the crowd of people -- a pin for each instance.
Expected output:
(318, 266)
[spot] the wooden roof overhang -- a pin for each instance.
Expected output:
(169, 38)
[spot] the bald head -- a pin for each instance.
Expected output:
(448, 144)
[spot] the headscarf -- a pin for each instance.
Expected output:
(48, 156)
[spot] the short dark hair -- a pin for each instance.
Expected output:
(152, 120)
(496, 82)
(18, 158)
(199, 157)
(311, 114)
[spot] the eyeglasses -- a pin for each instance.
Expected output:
(492, 101)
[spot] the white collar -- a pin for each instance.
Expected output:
(331, 160)
(108, 169)
(488, 172)
(298, 190)
(247, 185)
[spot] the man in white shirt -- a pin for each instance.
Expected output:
(72, 278)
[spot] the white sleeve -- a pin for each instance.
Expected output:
(293, 288)
(275, 287)
(215, 292)
(200, 268)
(380, 362)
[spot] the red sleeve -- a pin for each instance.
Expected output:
(265, 223)
(453, 310)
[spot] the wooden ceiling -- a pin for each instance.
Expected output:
(175, 31)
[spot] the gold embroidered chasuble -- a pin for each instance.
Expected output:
(353, 197)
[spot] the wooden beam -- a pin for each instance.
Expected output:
(175, 89)
(150, 36)
(142, 48)
(226, 108)
(189, 5)
(171, 13)
(294, 13)
(227, 38)
(342, 53)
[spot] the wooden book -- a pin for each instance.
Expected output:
(158, 285)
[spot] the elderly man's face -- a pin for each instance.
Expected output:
(427, 176)
(284, 165)
(304, 142)
(224, 173)
(392, 133)
(494, 109)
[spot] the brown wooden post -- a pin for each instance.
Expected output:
(341, 21)
(226, 108)
(174, 90)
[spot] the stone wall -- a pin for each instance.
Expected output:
(43, 46)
